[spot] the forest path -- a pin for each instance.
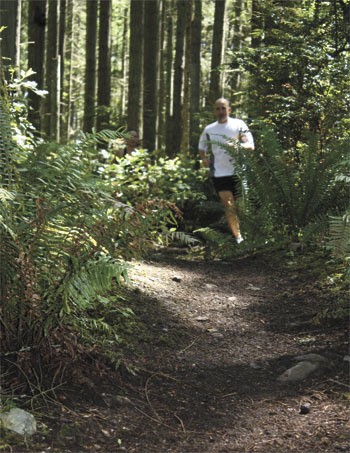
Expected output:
(221, 332)
(211, 338)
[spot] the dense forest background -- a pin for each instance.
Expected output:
(76, 75)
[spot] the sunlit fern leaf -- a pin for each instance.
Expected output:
(182, 238)
(8, 150)
(81, 287)
(340, 235)
(291, 190)
(102, 137)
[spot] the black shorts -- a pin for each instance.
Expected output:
(228, 183)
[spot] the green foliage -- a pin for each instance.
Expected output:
(156, 188)
(63, 233)
(145, 176)
(340, 235)
(290, 189)
(298, 79)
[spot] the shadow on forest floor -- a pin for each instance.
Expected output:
(215, 337)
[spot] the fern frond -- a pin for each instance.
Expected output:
(101, 137)
(80, 288)
(181, 237)
(340, 235)
(8, 149)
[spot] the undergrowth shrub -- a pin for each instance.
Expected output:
(163, 189)
(288, 193)
(65, 233)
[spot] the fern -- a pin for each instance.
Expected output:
(181, 237)
(291, 191)
(83, 284)
(340, 235)
(102, 137)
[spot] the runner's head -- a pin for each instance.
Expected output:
(222, 110)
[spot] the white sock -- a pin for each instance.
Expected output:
(239, 239)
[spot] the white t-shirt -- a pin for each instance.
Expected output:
(217, 133)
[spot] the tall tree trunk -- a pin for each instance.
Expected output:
(161, 76)
(135, 66)
(10, 17)
(68, 81)
(196, 32)
(150, 72)
(90, 65)
(51, 120)
(178, 77)
(215, 88)
(36, 54)
(237, 40)
(61, 52)
(104, 66)
(169, 79)
(185, 139)
(124, 64)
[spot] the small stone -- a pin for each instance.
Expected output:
(19, 421)
(217, 335)
(253, 288)
(254, 365)
(311, 358)
(177, 279)
(299, 372)
(210, 285)
(202, 318)
(304, 408)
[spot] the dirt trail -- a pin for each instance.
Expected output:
(215, 337)
(222, 333)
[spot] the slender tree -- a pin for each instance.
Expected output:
(237, 40)
(10, 18)
(135, 65)
(68, 79)
(90, 64)
(61, 51)
(185, 117)
(52, 75)
(181, 7)
(36, 54)
(195, 70)
(161, 76)
(169, 77)
(124, 58)
(215, 88)
(150, 71)
(104, 66)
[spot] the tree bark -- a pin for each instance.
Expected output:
(51, 120)
(36, 54)
(10, 17)
(169, 79)
(215, 88)
(178, 77)
(150, 71)
(124, 64)
(135, 65)
(104, 66)
(196, 32)
(185, 139)
(161, 76)
(68, 82)
(90, 65)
